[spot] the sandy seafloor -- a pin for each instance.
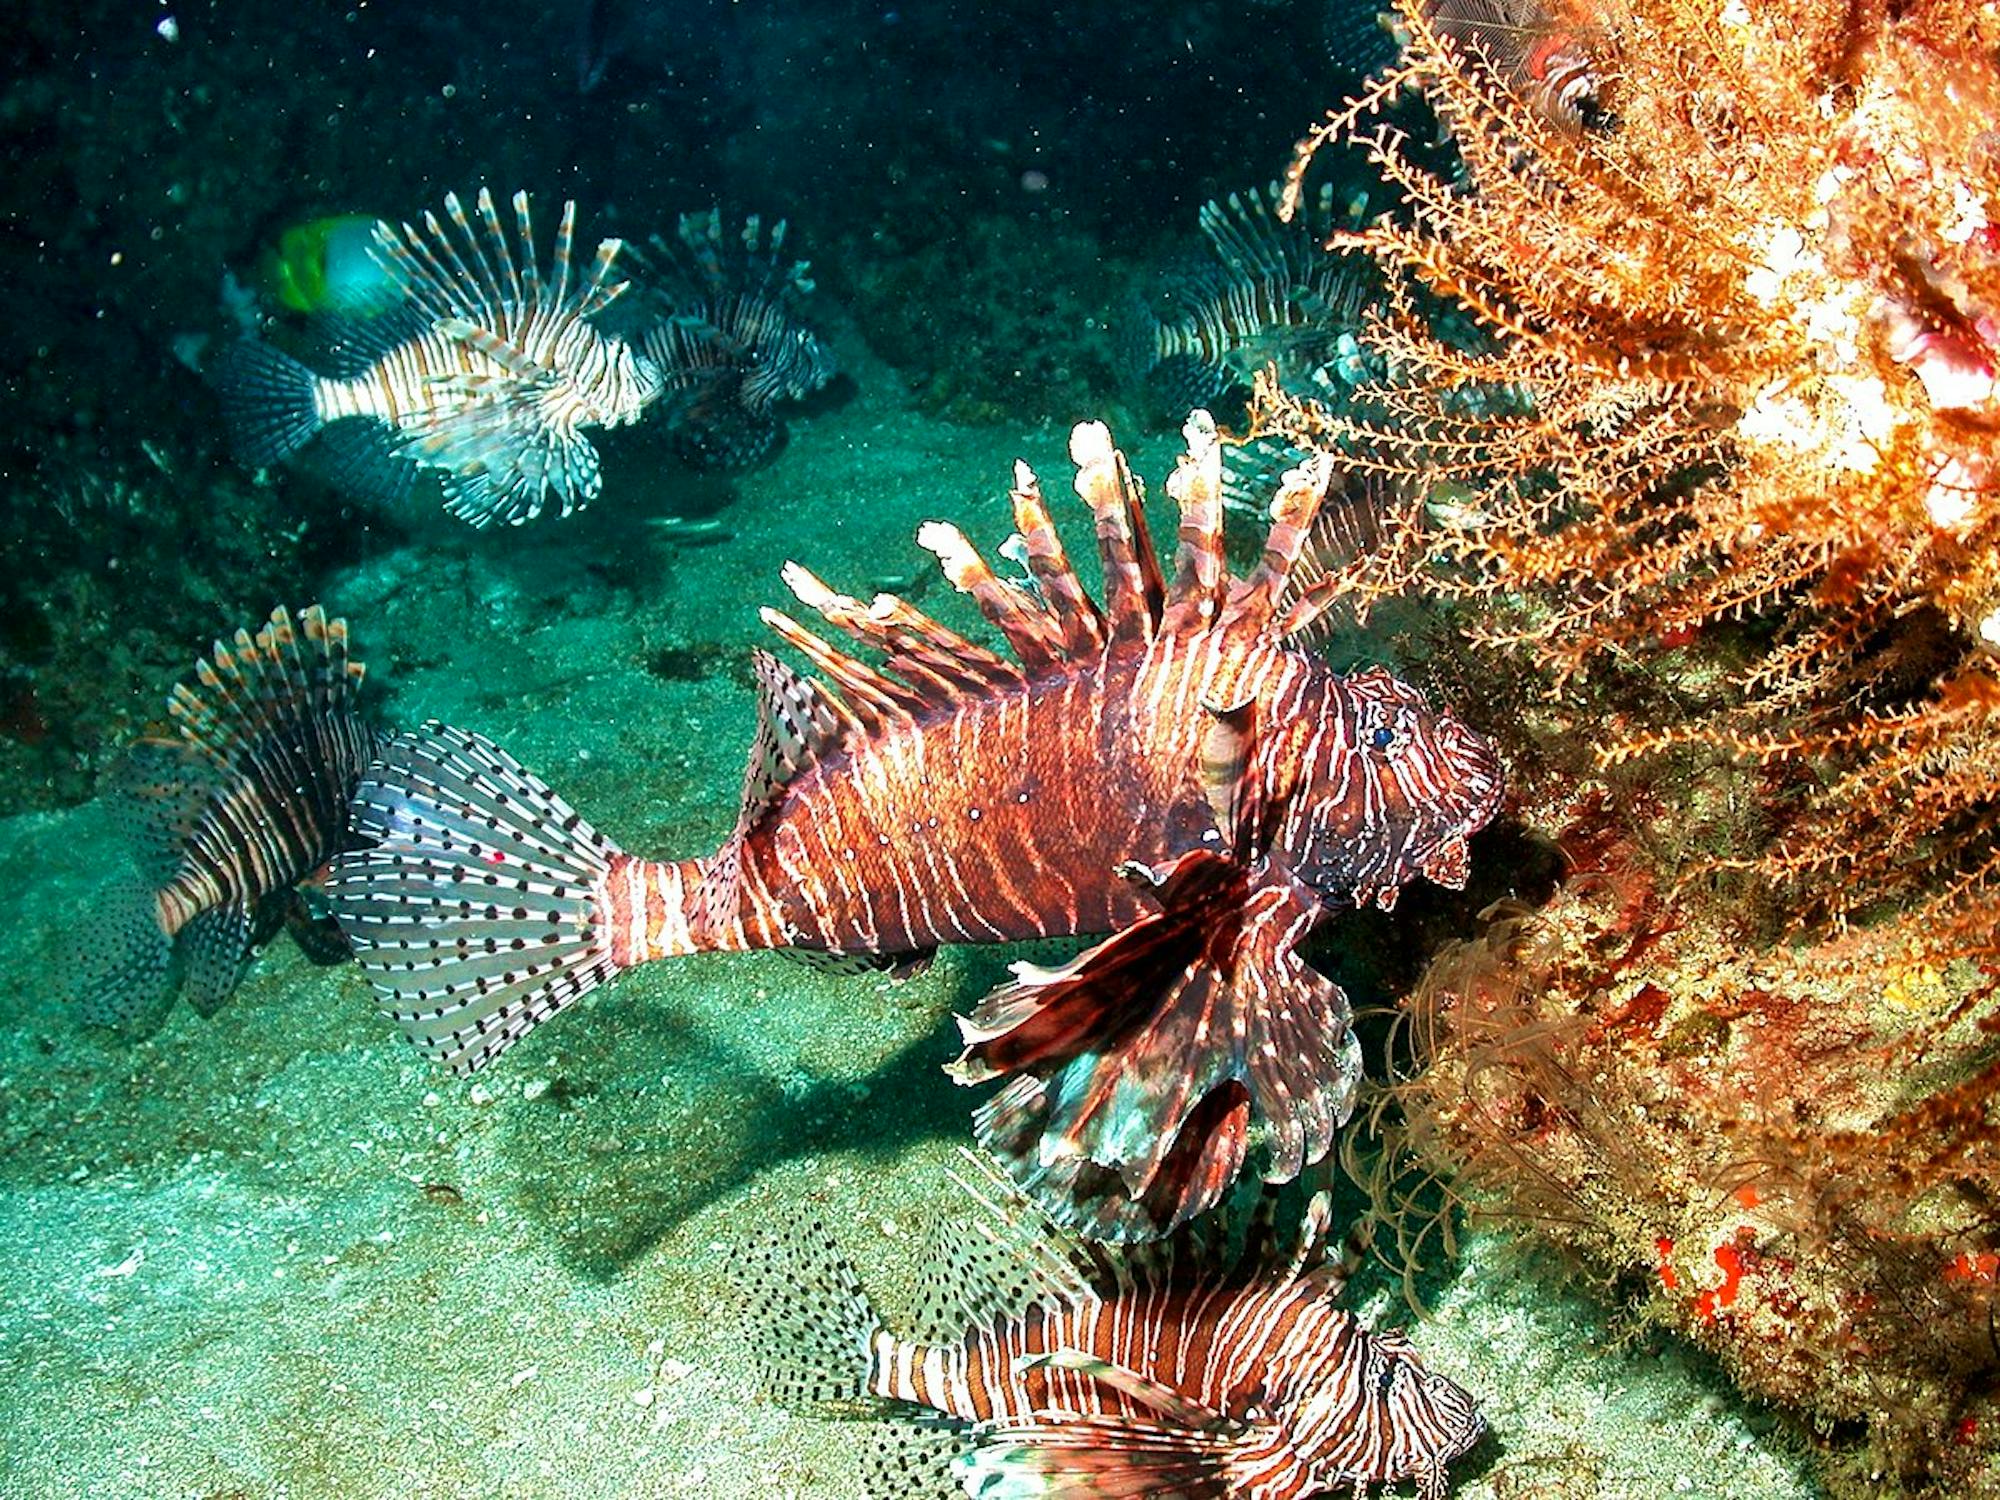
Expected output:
(276, 1254)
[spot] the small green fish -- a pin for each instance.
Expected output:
(329, 265)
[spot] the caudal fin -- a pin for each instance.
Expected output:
(814, 1332)
(480, 906)
(126, 976)
(268, 401)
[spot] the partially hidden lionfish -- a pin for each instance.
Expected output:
(228, 816)
(727, 332)
(490, 374)
(1046, 1367)
(1166, 767)
(1554, 55)
(1271, 296)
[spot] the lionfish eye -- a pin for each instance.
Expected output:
(1384, 1381)
(1383, 737)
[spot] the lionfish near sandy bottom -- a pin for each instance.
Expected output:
(227, 818)
(490, 375)
(1068, 1370)
(1164, 768)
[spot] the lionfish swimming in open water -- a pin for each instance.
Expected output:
(227, 817)
(491, 374)
(1050, 1368)
(1165, 767)
(729, 339)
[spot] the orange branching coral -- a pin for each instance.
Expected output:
(1733, 271)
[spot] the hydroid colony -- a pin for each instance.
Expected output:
(1717, 473)
(1740, 367)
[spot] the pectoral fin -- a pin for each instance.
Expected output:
(1060, 1457)
(1143, 1066)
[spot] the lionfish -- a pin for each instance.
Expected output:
(490, 375)
(1047, 1367)
(1166, 767)
(227, 817)
(1272, 296)
(1551, 54)
(730, 341)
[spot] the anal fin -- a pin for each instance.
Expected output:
(359, 455)
(896, 965)
(214, 948)
(917, 1458)
(315, 931)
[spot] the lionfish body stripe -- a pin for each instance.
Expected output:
(490, 374)
(1171, 1369)
(228, 816)
(1162, 766)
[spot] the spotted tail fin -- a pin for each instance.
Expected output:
(482, 904)
(269, 402)
(815, 1334)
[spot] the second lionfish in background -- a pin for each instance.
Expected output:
(491, 374)
(227, 816)
(1272, 296)
(1060, 1369)
(727, 332)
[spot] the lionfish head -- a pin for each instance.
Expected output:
(1395, 793)
(787, 363)
(1409, 1420)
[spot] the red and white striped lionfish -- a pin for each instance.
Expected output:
(248, 799)
(1051, 1368)
(1272, 296)
(731, 346)
(491, 375)
(1163, 767)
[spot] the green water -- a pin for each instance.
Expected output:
(275, 1254)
